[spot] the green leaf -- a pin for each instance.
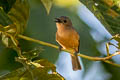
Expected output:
(13, 22)
(38, 73)
(4, 19)
(47, 4)
(33, 53)
(15, 75)
(19, 14)
(108, 13)
(5, 40)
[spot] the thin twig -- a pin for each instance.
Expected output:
(37, 41)
(105, 59)
(98, 58)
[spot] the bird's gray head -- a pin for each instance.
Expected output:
(63, 20)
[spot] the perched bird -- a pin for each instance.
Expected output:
(68, 38)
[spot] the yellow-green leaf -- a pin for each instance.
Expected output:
(8, 40)
(5, 40)
(47, 4)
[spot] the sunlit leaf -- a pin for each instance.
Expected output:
(66, 3)
(47, 4)
(117, 3)
(5, 40)
(8, 40)
(47, 64)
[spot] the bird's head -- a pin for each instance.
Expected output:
(63, 21)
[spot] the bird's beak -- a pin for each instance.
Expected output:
(57, 20)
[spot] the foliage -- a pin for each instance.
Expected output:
(39, 73)
(12, 23)
(108, 13)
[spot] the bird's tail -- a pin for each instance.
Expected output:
(75, 63)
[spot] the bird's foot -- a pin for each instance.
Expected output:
(60, 48)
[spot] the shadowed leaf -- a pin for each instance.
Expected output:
(32, 53)
(39, 73)
(6, 4)
(4, 19)
(19, 14)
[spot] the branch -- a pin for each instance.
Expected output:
(105, 59)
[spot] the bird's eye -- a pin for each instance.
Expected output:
(65, 21)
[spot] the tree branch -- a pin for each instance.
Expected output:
(105, 59)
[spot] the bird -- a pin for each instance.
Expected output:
(68, 38)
